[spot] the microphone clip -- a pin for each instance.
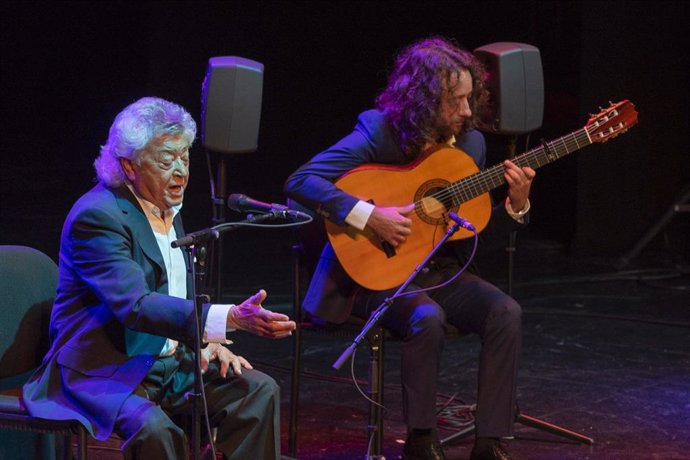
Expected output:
(462, 222)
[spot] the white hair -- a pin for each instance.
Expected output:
(137, 125)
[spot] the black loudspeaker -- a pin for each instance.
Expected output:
(516, 84)
(231, 104)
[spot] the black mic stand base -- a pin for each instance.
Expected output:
(532, 422)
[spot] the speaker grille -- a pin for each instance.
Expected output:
(231, 104)
(516, 87)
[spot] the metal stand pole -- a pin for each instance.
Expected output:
(512, 237)
(531, 422)
(297, 249)
(197, 262)
(218, 218)
(682, 204)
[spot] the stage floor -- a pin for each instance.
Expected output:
(606, 354)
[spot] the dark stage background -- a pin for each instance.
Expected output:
(68, 68)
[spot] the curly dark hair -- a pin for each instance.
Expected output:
(412, 98)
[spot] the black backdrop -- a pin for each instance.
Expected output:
(68, 67)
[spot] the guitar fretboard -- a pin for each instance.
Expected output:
(479, 183)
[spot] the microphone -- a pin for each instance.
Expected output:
(463, 223)
(242, 203)
(195, 238)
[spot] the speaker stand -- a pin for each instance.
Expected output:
(531, 422)
(680, 205)
(512, 237)
(218, 194)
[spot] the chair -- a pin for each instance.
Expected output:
(28, 279)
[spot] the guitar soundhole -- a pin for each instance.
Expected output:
(432, 201)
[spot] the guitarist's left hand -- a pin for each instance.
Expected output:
(519, 182)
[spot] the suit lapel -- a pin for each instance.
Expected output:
(141, 342)
(141, 227)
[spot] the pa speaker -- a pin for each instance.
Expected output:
(516, 86)
(231, 104)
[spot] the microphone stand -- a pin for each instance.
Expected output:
(195, 247)
(377, 314)
(197, 261)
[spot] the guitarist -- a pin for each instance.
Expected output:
(432, 97)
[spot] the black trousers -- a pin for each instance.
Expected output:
(471, 305)
(244, 408)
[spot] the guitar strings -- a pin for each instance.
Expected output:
(483, 181)
(467, 188)
(478, 184)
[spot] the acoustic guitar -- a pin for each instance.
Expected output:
(442, 180)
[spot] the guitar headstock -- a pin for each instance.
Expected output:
(612, 121)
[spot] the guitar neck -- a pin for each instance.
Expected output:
(477, 184)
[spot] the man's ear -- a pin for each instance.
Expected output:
(128, 168)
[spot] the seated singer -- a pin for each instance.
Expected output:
(432, 97)
(122, 326)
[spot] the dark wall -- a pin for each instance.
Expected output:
(68, 67)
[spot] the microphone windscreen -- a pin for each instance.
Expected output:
(235, 201)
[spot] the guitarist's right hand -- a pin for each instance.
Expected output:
(390, 224)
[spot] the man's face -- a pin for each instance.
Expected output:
(162, 172)
(455, 105)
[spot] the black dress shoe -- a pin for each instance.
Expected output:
(423, 446)
(490, 449)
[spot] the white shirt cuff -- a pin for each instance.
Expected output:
(359, 215)
(520, 215)
(217, 324)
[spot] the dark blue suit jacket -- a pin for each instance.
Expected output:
(111, 315)
(372, 141)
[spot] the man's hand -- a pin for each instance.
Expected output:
(390, 224)
(250, 316)
(519, 182)
(225, 358)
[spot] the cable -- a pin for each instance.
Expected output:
(354, 380)
(208, 423)
(249, 224)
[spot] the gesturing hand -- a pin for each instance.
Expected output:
(250, 316)
(225, 358)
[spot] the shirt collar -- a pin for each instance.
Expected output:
(151, 210)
